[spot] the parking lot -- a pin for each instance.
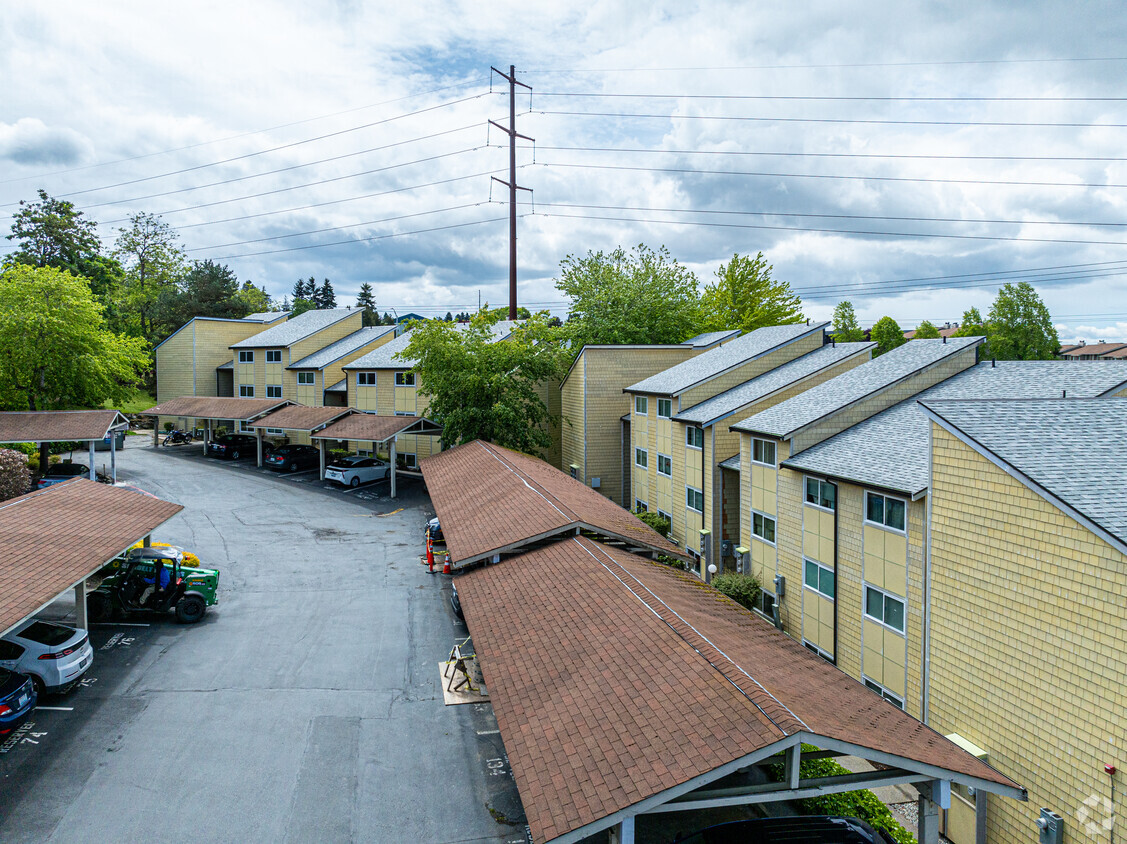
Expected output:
(306, 706)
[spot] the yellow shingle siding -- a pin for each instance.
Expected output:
(175, 366)
(1028, 642)
(745, 372)
(573, 406)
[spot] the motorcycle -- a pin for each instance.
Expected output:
(176, 437)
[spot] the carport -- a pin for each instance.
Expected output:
(378, 430)
(624, 688)
(52, 426)
(308, 420)
(53, 539)
(210, 409)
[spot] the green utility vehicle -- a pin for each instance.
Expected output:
(147, 580)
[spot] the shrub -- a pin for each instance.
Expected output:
(15, 479)
(168, 426)
(655, 520)
(741, 588)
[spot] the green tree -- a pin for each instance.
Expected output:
(303, 289)
(503, 313)
(744, 296)
(845, 328)
(481, 389)
(325, 297)
(154, 267)
(368, 302)
(300, 306)
(1020, 326)
(887, 335)
(973, 325)
(621, 298)
(926, 331)
(252, 300)
(55, 351)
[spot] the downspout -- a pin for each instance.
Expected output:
(925, 679)
(837, 553)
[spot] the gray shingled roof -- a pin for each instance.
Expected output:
(335, 351)
(384, 356)
(796, 413)
(890, 450)
(340, 386)
(741, 350)
(732, 462)
(779, 378)
(266, 316)
(711, 338)
(294, 330)
(1071, 448)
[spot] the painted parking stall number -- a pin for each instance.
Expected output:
(497, 767)
(118, 639)
(25, 734)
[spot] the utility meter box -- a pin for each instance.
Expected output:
(1050, 828)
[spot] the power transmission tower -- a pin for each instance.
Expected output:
(512, 185)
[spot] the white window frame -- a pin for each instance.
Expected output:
(884, 509)
(404, 379)
(405, 413)
(667, 458)
(810, 646)
(873, 686)
(688, 503)
(410, 459)
(244, 427)
(665, 515)
(275, 432)
(822, 567)
(246, 391)
(689, 437)
(365, 379)
(756, 441)
(306, 379)
(886, 595)
(246, 355)
(273, 355)
(641, 406)
(270, 387)
(641, 458)
(773, 521)
(665, 408)
(639, 504)
(820, 481)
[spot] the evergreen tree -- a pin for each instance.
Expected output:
(368, 302)
(324, 298)
(388, 319)
(301, 290)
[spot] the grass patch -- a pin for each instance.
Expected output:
(137, 402)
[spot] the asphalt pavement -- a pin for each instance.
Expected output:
(305, 707)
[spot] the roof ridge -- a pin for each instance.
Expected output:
(570, 515)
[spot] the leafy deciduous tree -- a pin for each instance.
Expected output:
(55, 351)
(154, 266)
(1020, 326)
(972, 325)
(887, 335)
(744, 296)
(926, 331)
(621, 298)
(478, 388)
(845, 326)
(300, 306)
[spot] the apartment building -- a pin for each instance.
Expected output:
(320, 376)
(1025, 587)
(676, 488)
(593, 402)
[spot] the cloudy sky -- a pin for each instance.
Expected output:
(902, 155)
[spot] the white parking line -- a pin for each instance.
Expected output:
(116, 624)
(57, 708)
(488, 732)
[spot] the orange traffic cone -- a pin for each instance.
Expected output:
(430, 554)
(446, 563)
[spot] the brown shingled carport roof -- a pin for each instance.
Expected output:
(374, 428)
(59, 425)
(53, 538)
(620, 684)
(210, 407)
(298, 417)
(492, 500)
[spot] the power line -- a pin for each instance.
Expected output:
(467, 83)
(827, 66)
(864, 120)
(828, 98)
(759, 173)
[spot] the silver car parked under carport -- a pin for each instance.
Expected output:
(357, 469)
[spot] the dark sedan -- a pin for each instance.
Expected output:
(17, 699)
(58, 473)
(293, 458)
(232, 446)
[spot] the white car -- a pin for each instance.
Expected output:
(54, 656)
(356, 470)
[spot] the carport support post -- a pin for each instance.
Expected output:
(113, 454)
(207, 435)
(321, 456)
(258, 444)
(80, 605)
(93, 475)
(391, 455)
(931, 797)
(623, 832)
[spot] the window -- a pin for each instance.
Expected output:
(641, 405)
(273, 355)
(273, 391)
(812, 647)
(665, 465)
(246, 356)
(883, 510)
(404, 413)
(404, 379)
(641, 458)
(665, 516)
(640, 506)
(882, 607)
(694, 498)
(306, 379)
(366, 379)
(410, 460)
(245, 428)
(819, 578)
(763, 451)
(246, 391)
(766, 604)
(821, 493)
(883, 692)
(694, 437)
(763, 527)
(275, 432)
(664, 408)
